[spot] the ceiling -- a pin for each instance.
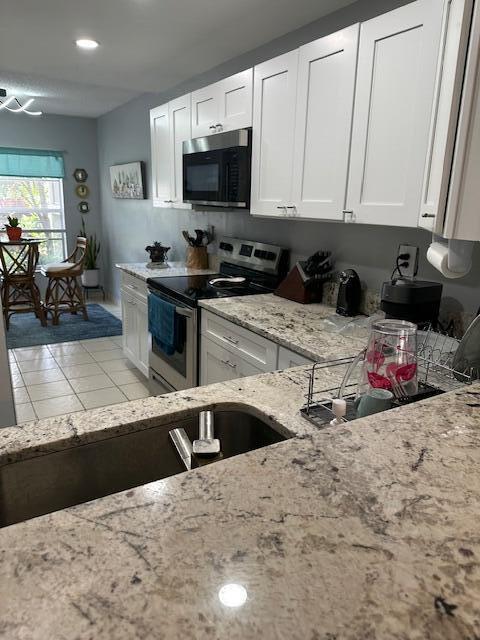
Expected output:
(146, 45)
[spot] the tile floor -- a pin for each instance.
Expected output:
(54, 379)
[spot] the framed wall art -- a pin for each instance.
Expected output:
(127, 181)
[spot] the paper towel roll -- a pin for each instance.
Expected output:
(437, 255)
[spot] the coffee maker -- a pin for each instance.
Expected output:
(417, 301)
(349, 293)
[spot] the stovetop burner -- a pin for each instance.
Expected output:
(191, 289)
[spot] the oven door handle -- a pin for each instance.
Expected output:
(183, 311)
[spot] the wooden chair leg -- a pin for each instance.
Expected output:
(39, 310)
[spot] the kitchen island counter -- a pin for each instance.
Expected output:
(364, 531)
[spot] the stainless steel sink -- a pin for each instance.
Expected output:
(54, 481)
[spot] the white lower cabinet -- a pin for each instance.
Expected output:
(228, 351)
(218, 364)
(135, 322)
(288, 359)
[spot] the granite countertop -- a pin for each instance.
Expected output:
(300, 327)
(369, 530)
(140, 270)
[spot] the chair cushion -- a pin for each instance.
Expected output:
(55, 267)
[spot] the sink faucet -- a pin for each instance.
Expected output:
(205, 446)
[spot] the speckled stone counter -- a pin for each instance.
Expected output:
(140, 270)
(299, 327)
(361, 532)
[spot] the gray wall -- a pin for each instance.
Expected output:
(123, 135)
(77, 138)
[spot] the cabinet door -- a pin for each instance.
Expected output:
(130, 328)
(288, 359)
(205, 110)
(394, 94)
(236, 101)
(326, 86)
(216, 363)
(443, 128)
(160, 142)
(143, 336)
(180, 129)
(274, 98)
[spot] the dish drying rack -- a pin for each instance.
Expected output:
(435, 374)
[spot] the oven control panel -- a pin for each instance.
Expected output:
(253, 255)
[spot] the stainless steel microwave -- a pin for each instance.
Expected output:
(217, 169)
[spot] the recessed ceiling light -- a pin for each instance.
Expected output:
(86, 43)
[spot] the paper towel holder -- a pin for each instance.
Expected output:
(453, 258)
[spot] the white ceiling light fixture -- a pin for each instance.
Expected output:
(12, 104)
(87, 44)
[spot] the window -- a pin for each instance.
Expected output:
(38, 205)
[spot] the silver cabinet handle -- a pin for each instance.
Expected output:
(348, 215)
(213, 126)
(231, 340)
(219, 126)
(229, 364)
(284, 209)
(428, 215)
(168, 201)
(183, 311)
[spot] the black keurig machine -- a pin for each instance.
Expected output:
(349, 293)
(417, 301)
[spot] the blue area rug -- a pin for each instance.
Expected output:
(26, 331)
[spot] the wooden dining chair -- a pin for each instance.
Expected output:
(64, 293)
(20, 293)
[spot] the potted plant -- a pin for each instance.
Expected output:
(14, 231)
(90, 275)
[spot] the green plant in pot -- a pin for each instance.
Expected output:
(90, 275)
(14, 230)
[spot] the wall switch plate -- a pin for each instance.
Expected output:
(412, 269)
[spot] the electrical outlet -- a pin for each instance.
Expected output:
(408, 270)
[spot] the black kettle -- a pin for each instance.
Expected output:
(349, 292)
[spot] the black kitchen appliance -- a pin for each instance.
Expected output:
(349, 293)
(246, 268)
(216, 169)
(417, 301)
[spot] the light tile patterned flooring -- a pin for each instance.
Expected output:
(54, 379)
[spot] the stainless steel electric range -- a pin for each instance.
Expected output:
(246, 268)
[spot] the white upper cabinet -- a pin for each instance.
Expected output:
(325, 93)
(275, 88)
(223, 106)
(161, 155)
(451, 189)
(462, 218)
(394, 94)
(170, 125)
(180, 130)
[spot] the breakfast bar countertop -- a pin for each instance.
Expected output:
(369, 530)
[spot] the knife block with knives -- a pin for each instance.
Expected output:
(304, 283)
